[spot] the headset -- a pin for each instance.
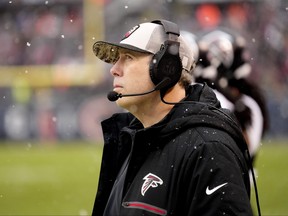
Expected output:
(165, 68)
(166, 63)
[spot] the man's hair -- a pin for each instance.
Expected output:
(187, 77)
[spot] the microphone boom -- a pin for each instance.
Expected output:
(113, 96)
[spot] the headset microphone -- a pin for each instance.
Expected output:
(113, 96)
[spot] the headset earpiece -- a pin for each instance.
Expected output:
(166, 63)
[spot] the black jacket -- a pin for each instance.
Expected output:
(190, 163)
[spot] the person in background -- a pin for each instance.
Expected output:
(175, 151)
(225, 67)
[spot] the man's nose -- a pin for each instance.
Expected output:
(116, 69)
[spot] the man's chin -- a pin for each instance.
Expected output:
(127, 104)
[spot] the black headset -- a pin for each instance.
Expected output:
(166, 63)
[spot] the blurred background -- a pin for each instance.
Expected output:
(52, 87)
(53, 90)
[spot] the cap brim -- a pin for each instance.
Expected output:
(109, 52)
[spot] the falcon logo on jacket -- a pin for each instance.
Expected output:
(151, 180)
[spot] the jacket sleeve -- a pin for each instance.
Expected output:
(215, 182)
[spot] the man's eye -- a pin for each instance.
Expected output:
(128, 57)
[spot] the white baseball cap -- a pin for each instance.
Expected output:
(146, 38)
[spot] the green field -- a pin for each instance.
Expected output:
(61, 179)
(272, 180)
(48, 179)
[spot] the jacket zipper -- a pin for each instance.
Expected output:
(145, 206)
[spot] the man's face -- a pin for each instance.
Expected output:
(131, 76)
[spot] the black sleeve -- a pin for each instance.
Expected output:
(215, 183)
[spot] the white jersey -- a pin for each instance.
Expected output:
(225, 103)
(254, 131)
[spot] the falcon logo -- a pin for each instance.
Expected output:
(151, 180)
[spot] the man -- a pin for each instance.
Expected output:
(176, 152)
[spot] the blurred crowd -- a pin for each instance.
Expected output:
(41, 33)
(52, 32)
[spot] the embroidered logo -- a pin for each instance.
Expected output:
(130, 32)
(151, 180)
(210, 191)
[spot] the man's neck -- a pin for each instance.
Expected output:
(150, 114)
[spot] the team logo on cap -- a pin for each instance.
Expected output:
(151, 180)
(131, 31)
